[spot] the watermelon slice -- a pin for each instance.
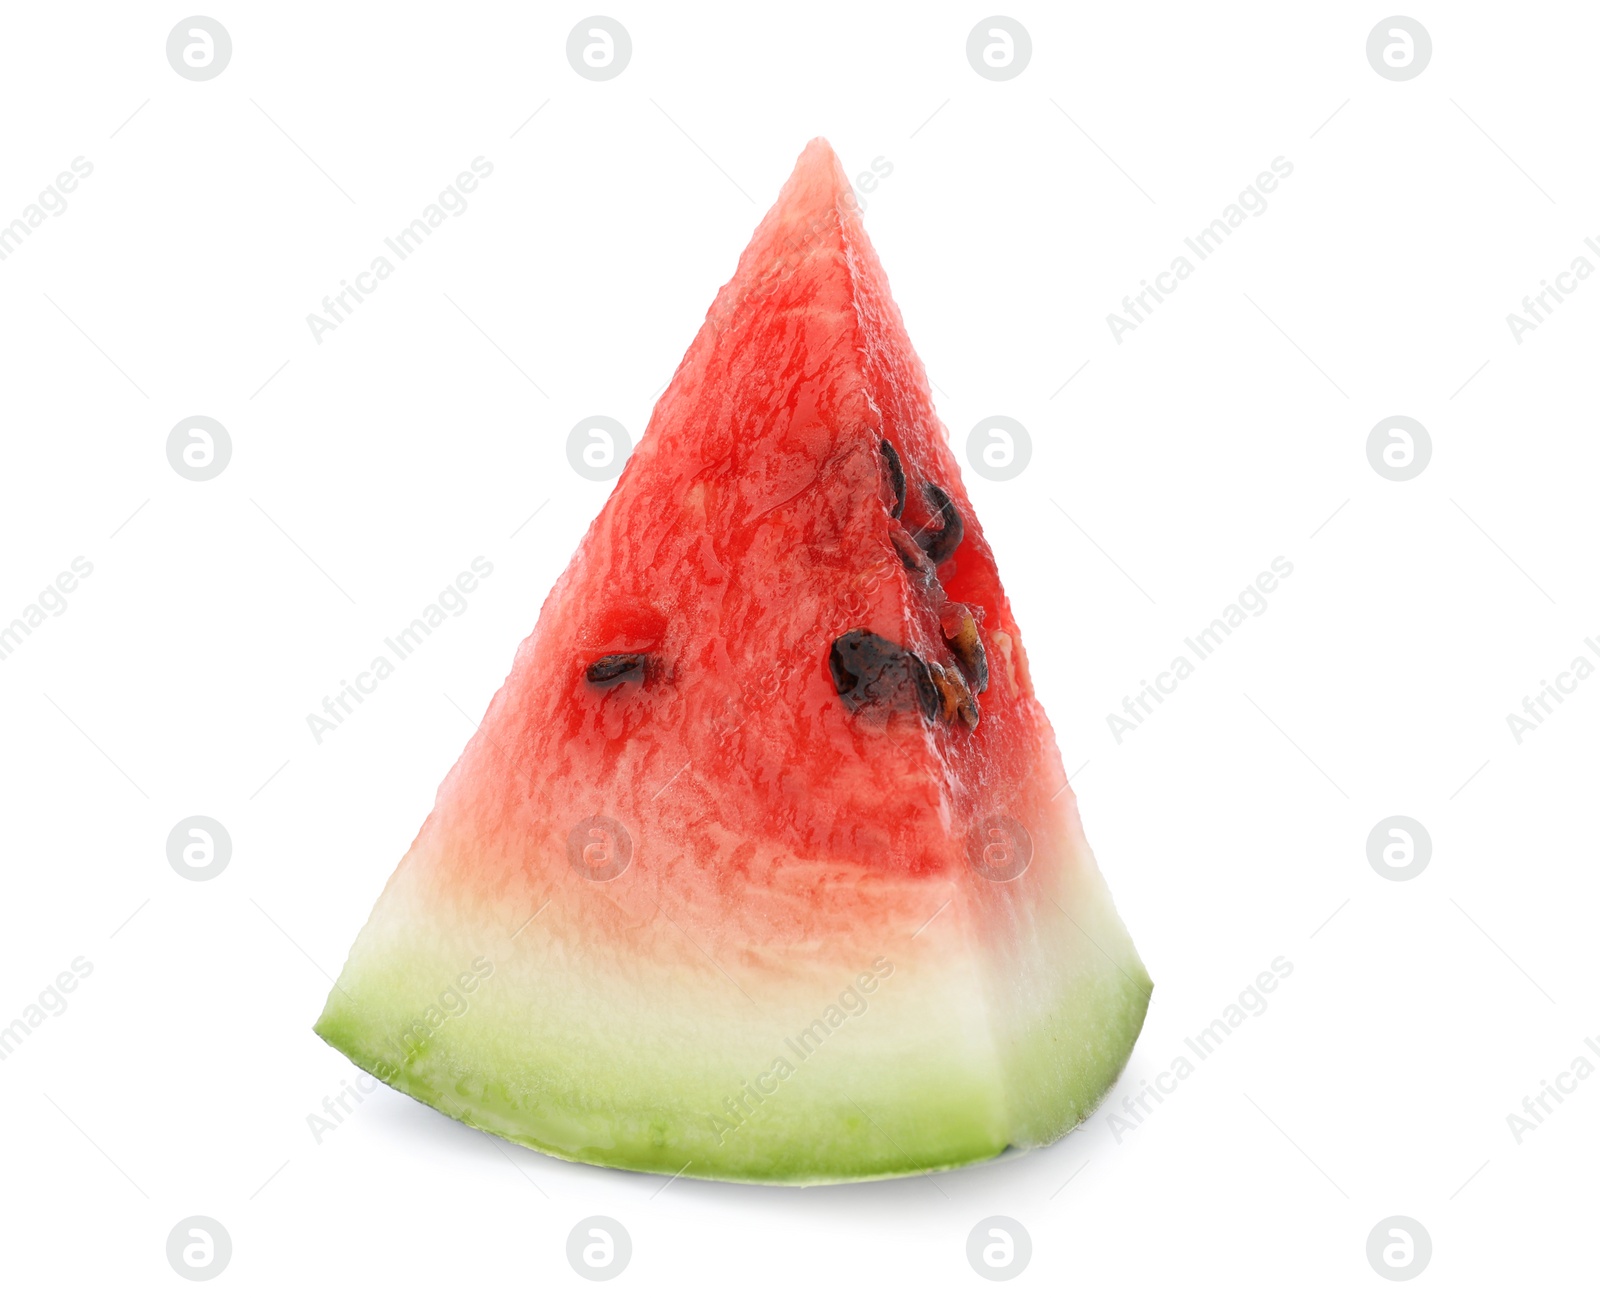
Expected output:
(762, 864)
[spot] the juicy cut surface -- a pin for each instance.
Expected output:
(754, 525)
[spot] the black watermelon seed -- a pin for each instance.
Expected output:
(616, 667)
(869, 671)
(941, 544)
(897, 476)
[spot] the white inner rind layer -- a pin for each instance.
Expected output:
(934, 1021)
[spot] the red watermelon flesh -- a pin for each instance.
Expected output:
(762, 864)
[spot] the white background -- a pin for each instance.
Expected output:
(428, 428)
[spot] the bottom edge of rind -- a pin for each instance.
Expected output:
(406, 1085)
(693, 1160)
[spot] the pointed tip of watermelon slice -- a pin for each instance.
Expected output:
(812, 201)
(818, 155)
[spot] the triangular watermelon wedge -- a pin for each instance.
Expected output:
(762, 865)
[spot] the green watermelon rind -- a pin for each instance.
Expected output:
(934, 1075)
